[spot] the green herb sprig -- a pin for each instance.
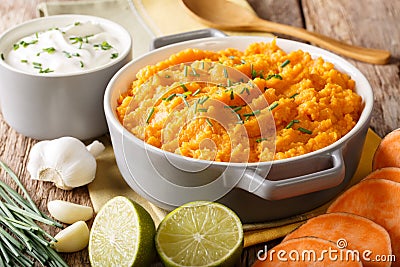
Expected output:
(22, 241)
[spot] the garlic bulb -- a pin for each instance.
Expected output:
(64, 161)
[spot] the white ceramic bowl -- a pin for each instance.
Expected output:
(53, 105)
(256, 191)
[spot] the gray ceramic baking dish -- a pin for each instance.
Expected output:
(255, 191)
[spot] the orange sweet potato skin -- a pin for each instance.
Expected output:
(377, 200)
(300, 252)
(387, 173)
(354, 230)
(387, 154)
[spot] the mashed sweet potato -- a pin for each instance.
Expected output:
(309, 103)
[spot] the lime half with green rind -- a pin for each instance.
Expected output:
(200, 234)
(122, 234)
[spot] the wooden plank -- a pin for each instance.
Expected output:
(285, 12)
(371, 24)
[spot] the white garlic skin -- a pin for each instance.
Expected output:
(73, 238)
(68, 212)
(64, 161)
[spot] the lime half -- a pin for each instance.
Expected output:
(122, 234)
(200, 234)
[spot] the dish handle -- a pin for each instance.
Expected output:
(295, 186)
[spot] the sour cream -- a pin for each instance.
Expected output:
(71, 49)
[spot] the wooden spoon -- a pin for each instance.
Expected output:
(225, 15)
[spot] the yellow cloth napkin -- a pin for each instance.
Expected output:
(146, 19)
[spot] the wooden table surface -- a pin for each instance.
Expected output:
(369, 23)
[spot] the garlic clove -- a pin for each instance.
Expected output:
(68, 212)
(95, 148)
(73, 238)
(64, 161)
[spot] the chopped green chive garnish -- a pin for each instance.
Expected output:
(183, 96)
(25, 44)
(15, 46)
(184, 87)
(104, 46)
(196, 92)
(24, 61)
(195, 72)
(232, 95)
(259, 140)
(236, 109)
(37, 64)
(276, 76)
(167, 76)
(202, 109)
(226, 73)
(290, 124)
(245, 89)
(254, 113)
(45, 70)
(87, 38)
(239, 118)
(271, 107)
(209, 122)
(294, 95)
(150, 114)
(243, 61)
(203, 100)
(303, 130)
(185, 71)
(77, 40)
(49, 50)
(114, 55)
(77, 23)
(287, 61)
(67, 54)
(82, 65)
(2, 56)
(170, 97)
(253, 72)
(202, 65)
(185, 101)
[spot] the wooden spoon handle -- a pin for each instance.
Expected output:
(369, 55)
